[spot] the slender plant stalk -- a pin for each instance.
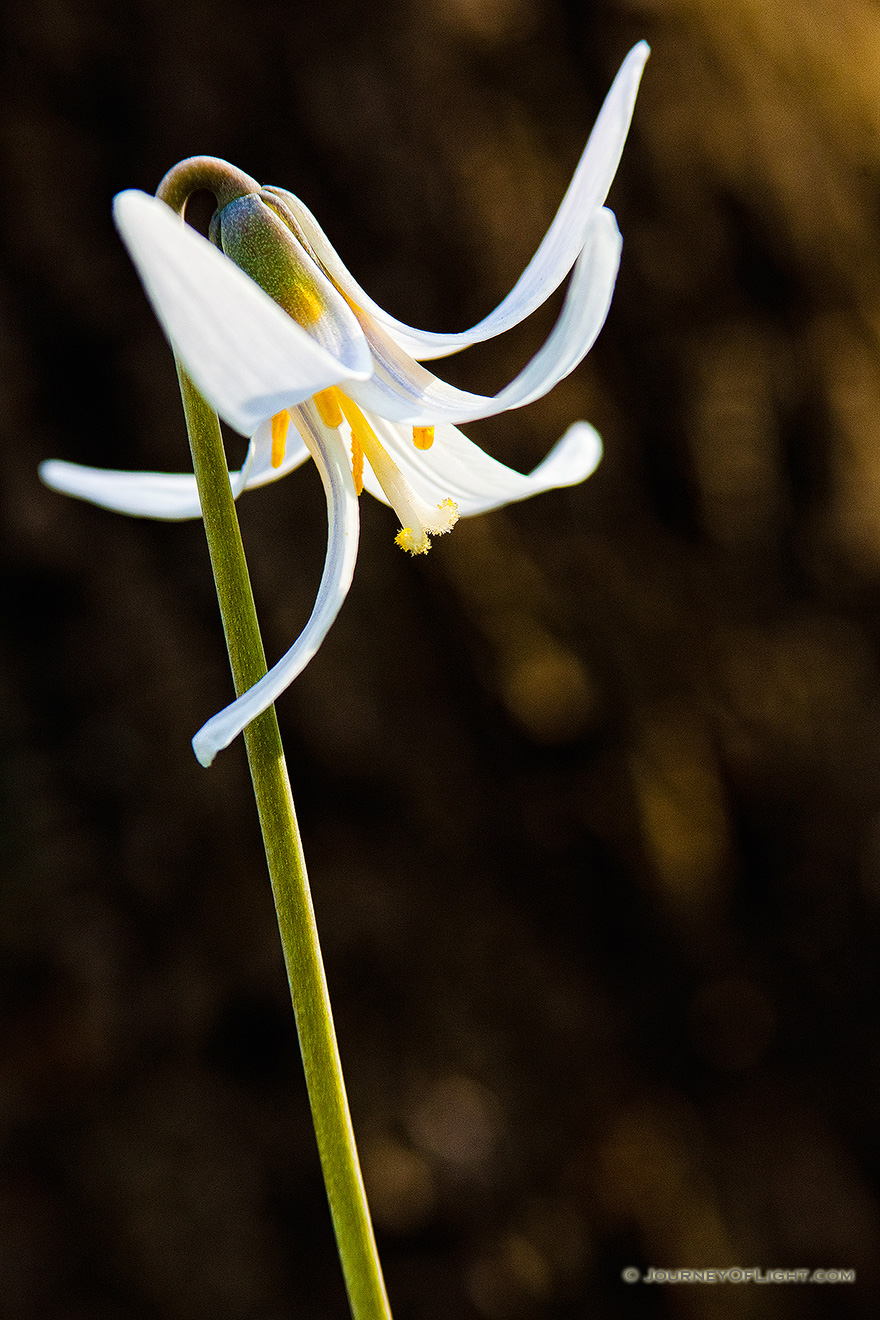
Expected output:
(287, 869)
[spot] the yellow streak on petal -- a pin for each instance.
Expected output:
(304, 302)
(423, 437)
(280, 423)
(327, 404)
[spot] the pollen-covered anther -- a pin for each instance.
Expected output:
(327, 404)
(423, 437)
(280, 424)
(357, 463)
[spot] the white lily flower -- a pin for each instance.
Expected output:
(274, 330)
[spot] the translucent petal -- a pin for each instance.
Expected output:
(342, 539)
(402, 390)
(247, 356)
(258, 467)
(455, 468)
(553, 259)
(168, 495)
(258, 241)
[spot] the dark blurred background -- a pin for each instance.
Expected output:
(590, 795)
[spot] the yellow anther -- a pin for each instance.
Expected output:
(280, 423)
(360, 427)
(327, 404)
(331, 407)
(423, 437)
(357, 463)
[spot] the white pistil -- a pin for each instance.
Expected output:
(417, 517)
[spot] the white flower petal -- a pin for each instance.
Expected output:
(455, 468)
(342, 539)
(258, 469)
(246, 355)
(404, 391)
(169, 495)
(255, 238)
(172, 496)
(553, 259)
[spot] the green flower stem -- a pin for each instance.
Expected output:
(287, 869)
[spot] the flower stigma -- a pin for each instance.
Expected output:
(278, 337)
(417, 517)
(261, 235)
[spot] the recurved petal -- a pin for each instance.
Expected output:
(455, 468)
(342, 540)
(404, 391)
(553, 259)
(169, 495)
(172, 496)
(247, 356)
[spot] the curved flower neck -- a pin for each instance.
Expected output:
(208, 173)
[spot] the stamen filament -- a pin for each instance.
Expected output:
(280, 423)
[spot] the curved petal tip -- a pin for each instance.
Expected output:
(572, 459)
(205, 749)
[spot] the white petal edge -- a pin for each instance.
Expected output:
(258, 469)
(168, 495)
(558, 250)
(171, 496)
(402, 390)
(343, 522)
(246, 355)
(455, 468)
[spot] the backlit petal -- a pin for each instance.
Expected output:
(553, 259)
(333, 464)
(455, 468)
(169, 495)
(172, 496)
(404, 391)
(259, 469)
(247, 356)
